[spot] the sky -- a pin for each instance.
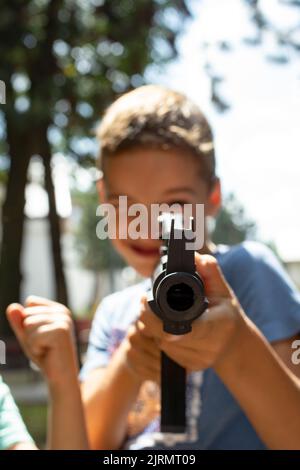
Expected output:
(257, 140)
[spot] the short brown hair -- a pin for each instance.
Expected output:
(154, 116)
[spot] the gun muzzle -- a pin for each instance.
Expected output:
(178, 295)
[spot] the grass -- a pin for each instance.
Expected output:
(35, 418)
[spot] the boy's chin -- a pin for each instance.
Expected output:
(144, 269)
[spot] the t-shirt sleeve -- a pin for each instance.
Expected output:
(271, 299)
(12, 427)
(98, 353)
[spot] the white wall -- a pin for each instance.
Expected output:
(36, 260)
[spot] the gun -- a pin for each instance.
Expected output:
(177, 297)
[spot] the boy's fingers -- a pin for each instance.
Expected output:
(152, 325)
(34, 321)
(145, 344)
(214, 281)
(43, 310)
(15, 315)
(190, 359)
(35, 301)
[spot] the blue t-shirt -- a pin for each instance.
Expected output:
(215, 419)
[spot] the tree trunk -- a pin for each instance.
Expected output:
(13, 221)
(54, 226)
(61, 292)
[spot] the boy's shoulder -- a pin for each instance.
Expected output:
(263, 287)
(248, 255)
(252, 267)
(247, 250)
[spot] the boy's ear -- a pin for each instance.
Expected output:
(101, 190)
(214, 199)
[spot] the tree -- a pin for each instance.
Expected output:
(95, 255)
(284, 36)
(232, 225)
(63, 61)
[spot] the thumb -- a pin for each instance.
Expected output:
(214, 281)
(15, 316)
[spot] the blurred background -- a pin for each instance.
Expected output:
(63, 62)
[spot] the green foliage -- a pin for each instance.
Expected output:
(232, 225)
(3, 177)
(35, 418)
(285, 34)
(277, 36)
(63, 61)
(95, 254)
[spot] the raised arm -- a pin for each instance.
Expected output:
(44, 330)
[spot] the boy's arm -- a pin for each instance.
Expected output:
(284, 350)
(225, 339)
(264, 387)
(66, 425)
(44, 330)
(109, 394)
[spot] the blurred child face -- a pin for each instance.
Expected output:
(154, 176)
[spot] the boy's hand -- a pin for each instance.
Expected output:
(142, 354)
(45, 332)
(212, 334)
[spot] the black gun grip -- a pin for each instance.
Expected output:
(173, 383)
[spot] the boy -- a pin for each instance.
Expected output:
(157, 147)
